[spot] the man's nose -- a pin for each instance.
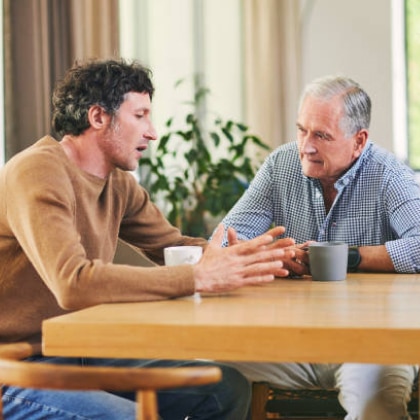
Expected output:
(307, 144)
(151, 133)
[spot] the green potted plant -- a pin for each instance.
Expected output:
(198, 171)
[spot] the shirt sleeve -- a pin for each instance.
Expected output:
(253, 215)
(403, 203)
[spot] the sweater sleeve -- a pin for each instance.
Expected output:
(144, 226)
(42, 215)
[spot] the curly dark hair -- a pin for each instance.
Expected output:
(103, 83)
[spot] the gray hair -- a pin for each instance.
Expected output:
(356, 102)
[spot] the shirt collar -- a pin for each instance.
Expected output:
(348, 176)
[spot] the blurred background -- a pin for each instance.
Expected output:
(254, 56)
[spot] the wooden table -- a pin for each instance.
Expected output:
(366, 318)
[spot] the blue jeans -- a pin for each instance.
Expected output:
(228, 399)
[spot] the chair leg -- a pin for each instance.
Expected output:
(260, 392)
(147, 405)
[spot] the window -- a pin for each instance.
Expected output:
(412, 14)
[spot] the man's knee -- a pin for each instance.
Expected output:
(374, 391)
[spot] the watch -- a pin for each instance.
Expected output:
(354, 259)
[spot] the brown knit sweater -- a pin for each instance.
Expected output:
(59, 228)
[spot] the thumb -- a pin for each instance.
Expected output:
(217, 238)
(232, 236)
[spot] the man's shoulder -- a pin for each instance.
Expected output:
(44, 149)
(41, 157)
(285, 156)
(287, 151)
(378, 156)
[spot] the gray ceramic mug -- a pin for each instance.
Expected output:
(328, 260)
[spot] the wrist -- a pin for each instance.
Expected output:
(354, 259)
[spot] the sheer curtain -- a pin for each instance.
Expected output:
(272, 68)
(42, 38)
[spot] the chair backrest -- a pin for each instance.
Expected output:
(144, 381)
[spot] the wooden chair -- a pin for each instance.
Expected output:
(144, 381)
(272, 403)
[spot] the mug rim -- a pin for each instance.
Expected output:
(183, 247)
(327, 244)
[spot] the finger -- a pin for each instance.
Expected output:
(298, 266)
(218, 235)
(254, 244)
(257, 250)
(276, 231)
(284, 243)
(232, 236)
(256, 271)
(254, 280)
(289, 254)
(232, 285)
(285, 254)
(302, 257)
(302, 252)
(258, 279)
(307, 243)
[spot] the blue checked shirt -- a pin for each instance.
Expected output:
(378, 202)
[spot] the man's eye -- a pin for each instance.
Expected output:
(323, 136)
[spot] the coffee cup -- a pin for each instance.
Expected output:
(328, 260)
(177, 255)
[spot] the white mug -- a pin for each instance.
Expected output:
(177, 255)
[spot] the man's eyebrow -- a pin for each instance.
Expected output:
(324, 134)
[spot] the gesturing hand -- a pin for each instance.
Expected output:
(298, 264)
(258, 260)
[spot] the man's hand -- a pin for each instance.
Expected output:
(298, 264)
(258, 260)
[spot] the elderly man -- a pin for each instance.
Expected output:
(334, 184)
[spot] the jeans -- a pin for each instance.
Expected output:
(229, 399)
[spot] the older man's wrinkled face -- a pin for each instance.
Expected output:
(324, 151)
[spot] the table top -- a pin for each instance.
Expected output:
(373, 318)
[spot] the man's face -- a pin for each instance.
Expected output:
(129, 132)
(324, 151)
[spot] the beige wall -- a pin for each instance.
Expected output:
(353, 38)
(164, 35)
(338, 36)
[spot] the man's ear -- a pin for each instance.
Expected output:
(97, 117)
(360, 141)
